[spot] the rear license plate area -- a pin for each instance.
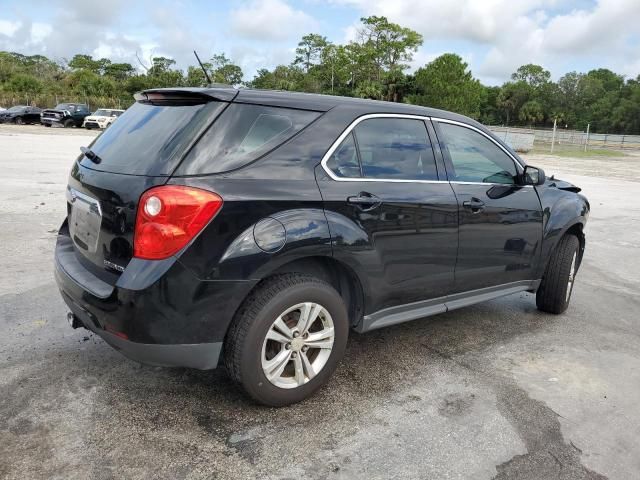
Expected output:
(85, 220)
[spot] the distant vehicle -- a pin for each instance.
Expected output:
(256, 228)
(2, 109)
(65, 114)
(101, 118)
(20, 114)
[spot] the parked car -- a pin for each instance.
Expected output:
(257, 228)
(101, 118)
(20, 114)
(65, 114)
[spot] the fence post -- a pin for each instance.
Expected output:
(605, 139)
(586, 142)
(622, 143)
(553, 137)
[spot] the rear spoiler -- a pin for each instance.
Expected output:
(185, 96)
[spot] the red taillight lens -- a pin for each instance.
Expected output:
(169, 217)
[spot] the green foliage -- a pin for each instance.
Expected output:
(310, 49)
(447, 83)
(531, 112)
(374, 65)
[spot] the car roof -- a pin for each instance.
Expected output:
(314, 101)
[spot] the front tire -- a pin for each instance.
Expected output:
(554, 292)
(19, 121)
(68, 124)
(287, 339)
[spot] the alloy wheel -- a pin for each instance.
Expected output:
(297, 345)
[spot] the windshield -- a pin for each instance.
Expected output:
(17, 108)
(65, 106)
(102, 113)
(150, 139)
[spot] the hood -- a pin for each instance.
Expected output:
(562, 185)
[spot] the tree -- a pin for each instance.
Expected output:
(387, 44)
(223, 71)
(24, 83)
(309, 50)
(163, 74)
(119, 71)
(447, 83)
(511, 98)
(534, 75)
(531, 112)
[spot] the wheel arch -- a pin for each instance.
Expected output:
(336, 273)
(574, 227)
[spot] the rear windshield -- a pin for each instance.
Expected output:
(241, 134)
(150, 139)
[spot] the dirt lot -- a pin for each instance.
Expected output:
(495, 390)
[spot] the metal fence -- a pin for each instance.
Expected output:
(526, 139)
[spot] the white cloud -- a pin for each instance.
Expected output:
(270, 20)
(513, 32)
(8, 28)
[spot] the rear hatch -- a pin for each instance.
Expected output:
(137, 152)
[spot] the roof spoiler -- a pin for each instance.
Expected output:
(186, 96)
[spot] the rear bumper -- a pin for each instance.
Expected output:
(175, 321)
(203, 356)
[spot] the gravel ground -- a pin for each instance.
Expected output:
(494, 390)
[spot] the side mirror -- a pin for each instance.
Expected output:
(533, 175)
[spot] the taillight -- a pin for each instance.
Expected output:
(169, 217)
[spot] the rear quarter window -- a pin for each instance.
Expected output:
(242, 134)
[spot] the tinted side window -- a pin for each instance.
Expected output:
(475, 158)
(395, 148)
(242, 134)
(344, 160)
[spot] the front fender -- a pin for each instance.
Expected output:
(561, 211)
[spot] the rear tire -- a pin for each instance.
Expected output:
(310, 351)
(19, 121)
(554, 293)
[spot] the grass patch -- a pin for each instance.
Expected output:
(577, 152)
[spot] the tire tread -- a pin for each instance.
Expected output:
(551, 295)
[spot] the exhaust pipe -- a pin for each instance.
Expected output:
(74, 321)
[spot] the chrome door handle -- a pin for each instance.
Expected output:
(474, 205)
(365, 201)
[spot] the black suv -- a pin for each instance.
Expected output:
(65, 114)
(256, 228)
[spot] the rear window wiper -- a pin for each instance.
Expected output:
(90, 155)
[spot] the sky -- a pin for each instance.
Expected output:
(494, 37)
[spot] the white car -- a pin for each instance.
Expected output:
(101, 118)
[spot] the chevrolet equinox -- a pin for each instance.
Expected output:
(255, 229)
